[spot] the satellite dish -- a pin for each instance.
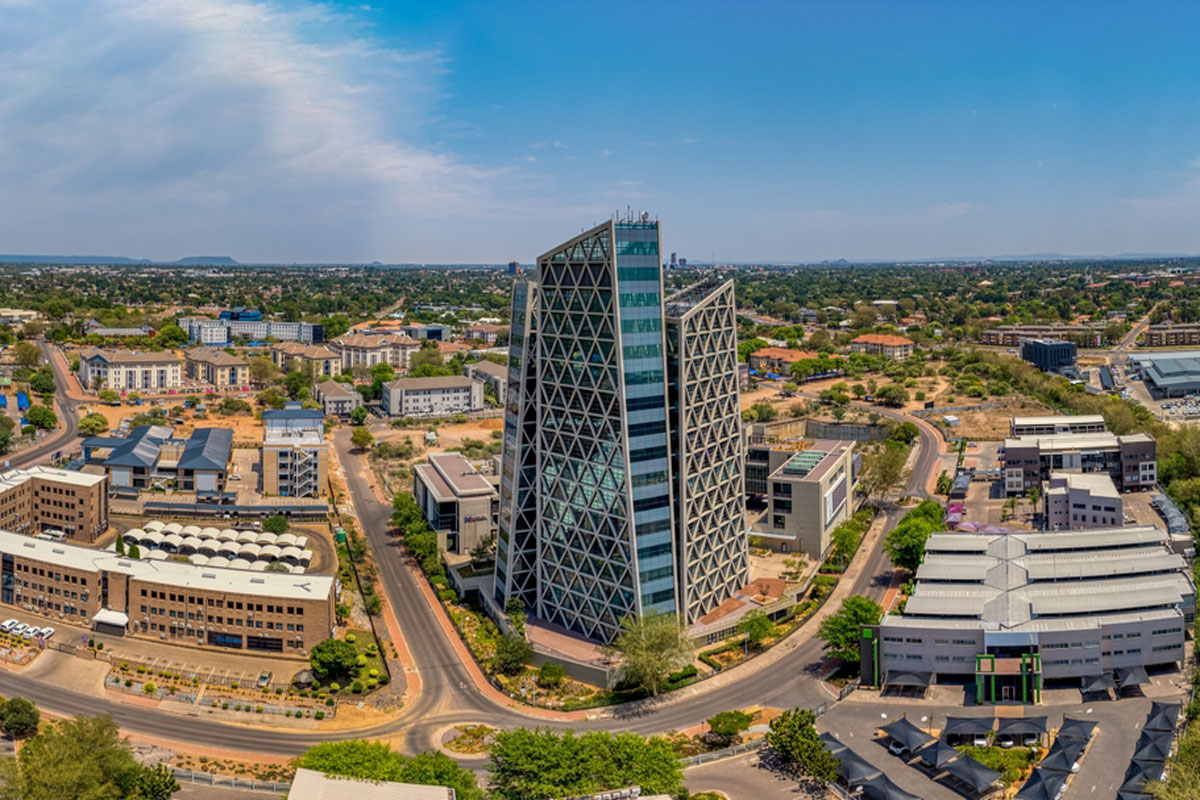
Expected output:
(645, 216)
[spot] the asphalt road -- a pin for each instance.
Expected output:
(63, 438)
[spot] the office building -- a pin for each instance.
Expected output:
(94, 328)
(293, 418)
(514, 267)
(889, 346)
(369, 349)
(432, 397)
(433, 331)
(126, 371)
(1079, 500)
(1086, 334)
(1170, 374)
(1049, 355)
(1014, 609)
(484, 332)
(336, 398)
(595, 524)
(459, 502)
(151, 455)
(241, 314)
(1129, 460)
(166, 600)
(1050, 425)
(295, 463)
(224, 331)
(809, 492)
(319, 360)
(493, 376)
(1171, 334)
(216, 368)
(43, 499)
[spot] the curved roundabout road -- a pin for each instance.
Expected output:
(448, 695)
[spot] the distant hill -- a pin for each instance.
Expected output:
(14, 259)
(207, 261)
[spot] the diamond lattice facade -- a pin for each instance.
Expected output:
(588, 529)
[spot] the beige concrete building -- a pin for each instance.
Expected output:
(1086, 334)
(484, 332)
(1076, 501)
(295, 355)
(337, 398)
(493, 376)
(1129, 460)
(1048, 426)
(431, 397)
(1172, 335)
(42, 499)
(295, 463)
(809, 494)
(369, 349)
(216, 367)
(166, 600)
(459, 502)
(883, 344)
(126, 371)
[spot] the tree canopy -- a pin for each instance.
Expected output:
(333, 657)
(841, 631)
(651, 647)
(375, 761)
(794, 737)
(905, 544)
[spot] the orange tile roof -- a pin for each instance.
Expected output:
(886, 339)
(785, 354)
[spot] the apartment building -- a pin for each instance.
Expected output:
(1015, 609)
(1129, 460)
(295, 463)
(1172, 335)
(1086, 334)
(458, 501)
(432, 397)
(323, 362)
(166, 600)
(369, 349)
(127, 371)
(1062, 423)
(882, 344)
(809, 493)
(151, 455)
(216, 367)
(448, 350)
(1077, 501)
(336, 398)
(779, 359)
(485, 332)
(293, 418)
(493, 376)
(227, 330)
(42, 499)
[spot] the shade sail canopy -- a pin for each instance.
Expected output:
(938, 754)
(1020, 726)
(1098, 683)
(1139, 774)
(967, 726)
(972, 773)
(1162, 717)
(882, 788)
(907, 734)
(907, 679)
(831, 743)
(1063, 755)
(1152, 748)
(854, 768)
(1076, 729)
(1043, 784)
(1133, 676)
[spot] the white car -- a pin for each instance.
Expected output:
(47, 632)
(19, 629)
(30, 632)
(980, 740)
(8, 625)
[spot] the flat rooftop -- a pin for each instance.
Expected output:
(12, 478)
(1059, 419)
(812, 463)
(293, 438)
(1098, 484)
(455, 475)
(1075, 441)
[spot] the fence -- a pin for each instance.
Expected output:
(728, 752)
(230, 781)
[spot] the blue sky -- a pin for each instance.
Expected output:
(445, 132)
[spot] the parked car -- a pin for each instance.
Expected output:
(264, 680)
(30, 632)
(18, 629)
(979, 740)
(47, 632)
(8, 625)
(896, 749)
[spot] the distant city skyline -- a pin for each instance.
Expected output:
(281, 132)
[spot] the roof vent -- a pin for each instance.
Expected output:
(212, 575)
(58, 550)
(257, 580)
(30, 544)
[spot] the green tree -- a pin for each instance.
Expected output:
(756, 626)
(845, 539)
(543, 764)
(333, 657)
(428, 355)
(134, 552)
(27, 354)
(728, 724)
(793, 736)
(276, 524)
(651, 647)
(764, 412)
(41, 417)
(263, 371)
(42, 381)
(750, 346)
(375, 761)
(551, 675)
(905, 544)
(512, 653)
(892, 395)
(109, 396)
(944, 483)
(171, 336)
(358, 415)
(362, 438)
(93, 424)
(841, 631)
(296, 383)
(883, 470)
(155, 784)
(19, 717)
(121, 546)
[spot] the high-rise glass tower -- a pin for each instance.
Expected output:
(588, 527)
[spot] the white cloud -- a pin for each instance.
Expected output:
(560, 145)
(163, 128)
(1195, 162)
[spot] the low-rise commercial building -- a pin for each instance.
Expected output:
(1049, 355)
(17, 316)
(433, 331)
(337, 398)
(295, 463)
(216, 367)
(778, 359)
(41, 499)
(293, 418)
(882, 344)
(1014, 609)
(808, 495)
(166, 600)
(1059, 423)
(126, 371)
(459, 502)
(323, 362)
(1129, 460)
(1172, 335)
(152, 455)
(1086, 334)
(431, 397)
(369, 349)
(484, 332)
(227, 330)
(493, 376)
(1171, 374)
(1077, 501)
(94, 328)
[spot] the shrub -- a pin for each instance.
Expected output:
(551, 675)
(350, 637)
(319, 715)
(149, 688)
(374, 673)
(361, 660)
(334, 687)
(330, 702)
(128, 683)
(258, 710)
(356, 687)
(278, 690)
(224, 706)
(233, 685)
